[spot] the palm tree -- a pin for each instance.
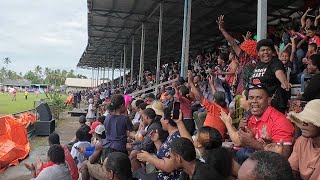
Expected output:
(7, 61)
(38, 71)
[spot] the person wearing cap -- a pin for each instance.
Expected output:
(93, 167)
(305, 158)
(271, 72)
(266, 125)
(213, 108)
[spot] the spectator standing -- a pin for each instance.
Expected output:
(116, 125)
(14, 94)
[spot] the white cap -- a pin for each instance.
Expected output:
(99, 129)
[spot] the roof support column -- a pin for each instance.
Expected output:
(108, 70)
(124, 64)
(120, 68)
(92, 80)
(185, 38)
(141, 69)
(159, 46)
(112, 75)
(132, 56)
(104, 75)
(98, 76)
(262, 19)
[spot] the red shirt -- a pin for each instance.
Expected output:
(272, 125)
(213, 116)
(315, 39)
(185, 105)
(71, 163)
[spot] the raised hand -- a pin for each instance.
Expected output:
(308, 10)
(247, 36)
(226, 118)
(190, 77)
(220, 22)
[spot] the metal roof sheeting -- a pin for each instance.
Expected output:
(112, 24)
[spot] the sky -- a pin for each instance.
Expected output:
(48, 33)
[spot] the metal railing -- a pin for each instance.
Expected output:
(154, 88)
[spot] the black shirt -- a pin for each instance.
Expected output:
(265, 72)
(202, 171)
(312, 90)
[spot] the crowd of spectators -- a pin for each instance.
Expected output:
(233, 117)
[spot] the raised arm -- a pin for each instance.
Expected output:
(316, 23)
(303, 18)
(182, 128)
(194, 90)
(293, 48)
(211, 83)
(227, 120)
(226, 35)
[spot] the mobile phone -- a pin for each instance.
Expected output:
(176, 110)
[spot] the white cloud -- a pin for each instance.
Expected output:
(49, 33)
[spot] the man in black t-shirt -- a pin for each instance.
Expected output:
(183, 155)
(271, 72)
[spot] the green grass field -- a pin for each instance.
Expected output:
(7, 106)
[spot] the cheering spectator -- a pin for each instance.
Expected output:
(270, 71)
(58, 170)
(213, 109)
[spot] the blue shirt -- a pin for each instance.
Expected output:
(164, 151)
(116, 132)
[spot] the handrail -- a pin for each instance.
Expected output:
(152, 87)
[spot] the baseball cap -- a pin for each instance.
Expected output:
(93, 126)
(310, 114)
(99, 129)
(265, 42)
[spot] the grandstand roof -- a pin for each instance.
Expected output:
(112, 24)
(17, 82)
(83, 83)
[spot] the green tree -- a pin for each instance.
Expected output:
(38, 71)
(7, 61)
(30, 75)
(71, 74)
